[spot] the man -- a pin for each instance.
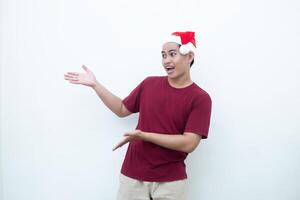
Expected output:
(174, 115)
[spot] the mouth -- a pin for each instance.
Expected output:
(170, 69)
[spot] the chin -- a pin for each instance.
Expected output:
(172, 76)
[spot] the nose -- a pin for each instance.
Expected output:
(166, 60)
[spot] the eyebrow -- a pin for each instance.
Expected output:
(169, 50)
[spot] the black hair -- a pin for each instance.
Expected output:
(192, 60)
(192, 63)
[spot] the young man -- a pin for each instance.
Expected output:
(174, 115)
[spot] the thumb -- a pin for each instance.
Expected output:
(85, 68)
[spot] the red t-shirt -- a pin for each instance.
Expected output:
(166, 110)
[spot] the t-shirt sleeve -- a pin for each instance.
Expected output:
(132, 101)
(199, 117)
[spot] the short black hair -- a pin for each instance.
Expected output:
(179, 45)
(192, 63)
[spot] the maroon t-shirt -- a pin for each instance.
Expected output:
(166, 110)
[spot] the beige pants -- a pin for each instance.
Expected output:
(131, 189)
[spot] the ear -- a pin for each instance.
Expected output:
(191, 56)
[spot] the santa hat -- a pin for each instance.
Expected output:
(185, 39)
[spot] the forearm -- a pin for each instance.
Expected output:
(113, 102)
(182, 143)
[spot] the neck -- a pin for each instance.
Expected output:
(181, 81)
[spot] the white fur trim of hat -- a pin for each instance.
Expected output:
(186, 40)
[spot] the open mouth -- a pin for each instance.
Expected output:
(170, 69)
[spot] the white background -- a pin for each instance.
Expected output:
(56, 138)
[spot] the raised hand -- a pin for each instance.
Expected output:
(87, 79)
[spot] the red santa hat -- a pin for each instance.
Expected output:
(185, 39)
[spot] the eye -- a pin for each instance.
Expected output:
(173, 54)
(163, 55)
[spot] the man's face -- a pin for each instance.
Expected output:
(175, 64)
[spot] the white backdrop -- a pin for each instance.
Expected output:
(56, 138)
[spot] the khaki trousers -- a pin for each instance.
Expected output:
(131, 189)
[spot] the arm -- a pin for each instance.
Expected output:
(185, 143)
(113, 102)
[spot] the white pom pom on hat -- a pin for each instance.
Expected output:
(185, 39)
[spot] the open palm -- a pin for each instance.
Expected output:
(87, 78)
(134, 135)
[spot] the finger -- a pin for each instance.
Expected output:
(85, 68)
(117, 146)
(74, 82)
(121, 143)
(73, 73)
(69, 76)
